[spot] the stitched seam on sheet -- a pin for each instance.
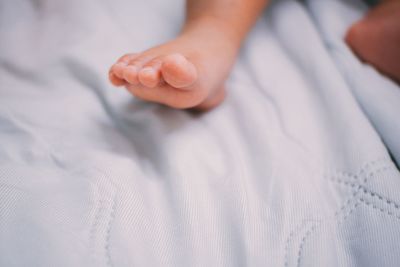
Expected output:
(303, 241)
(351, 210)
(111, 217)
(108, 233)
(381, 198)
(359, 190)
(361, 171)
(369, 204)
(347, 204)
(99, 209)
(383, 160)
(360, 186)
(344, 182)
(289, 239)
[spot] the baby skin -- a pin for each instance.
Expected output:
(376, 38)
(189, 72)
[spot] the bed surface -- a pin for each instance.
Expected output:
(296, 168)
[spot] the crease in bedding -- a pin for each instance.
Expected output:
(298, 167)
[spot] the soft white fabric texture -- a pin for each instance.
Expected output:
(292, 170)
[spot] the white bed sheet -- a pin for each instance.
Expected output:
(293, 169)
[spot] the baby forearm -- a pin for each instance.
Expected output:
(235, 16)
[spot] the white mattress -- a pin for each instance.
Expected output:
(296, 168)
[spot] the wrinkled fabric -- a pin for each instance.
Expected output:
(296, 168)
